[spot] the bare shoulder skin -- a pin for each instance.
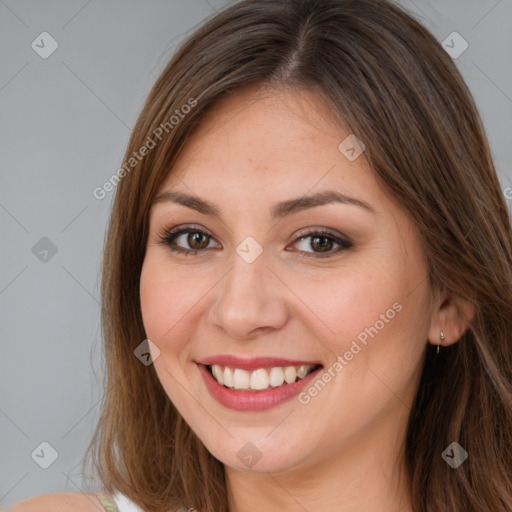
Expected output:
(59, 502)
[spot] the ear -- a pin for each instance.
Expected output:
(451, 315)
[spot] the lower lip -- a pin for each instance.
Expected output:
(254, 400)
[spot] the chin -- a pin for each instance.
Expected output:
(257, 456)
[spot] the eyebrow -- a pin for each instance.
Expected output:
(278, 211)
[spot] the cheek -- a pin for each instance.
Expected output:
(172, 298)
(373, 315)
(164, 301)
(347, 301)
(381, 318)
(153, 300)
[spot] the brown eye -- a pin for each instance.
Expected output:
(322, 244)
(197, 240)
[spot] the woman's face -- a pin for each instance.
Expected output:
(282, 279)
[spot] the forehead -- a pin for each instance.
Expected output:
(268, 140)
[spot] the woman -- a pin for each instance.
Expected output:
(307, 287)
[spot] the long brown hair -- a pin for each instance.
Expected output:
(393, 85)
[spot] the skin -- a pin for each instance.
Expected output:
(60, 502)
(340, 451)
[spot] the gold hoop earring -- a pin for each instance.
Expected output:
(442, 339)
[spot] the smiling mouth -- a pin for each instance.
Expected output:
(261, 379)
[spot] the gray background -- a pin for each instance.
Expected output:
(65, 122)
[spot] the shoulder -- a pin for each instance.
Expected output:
(59, 502)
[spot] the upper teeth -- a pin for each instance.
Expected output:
(259, 379)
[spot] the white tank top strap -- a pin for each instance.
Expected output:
(118, 502)
(124, 504)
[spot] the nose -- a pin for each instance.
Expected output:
(249, 300)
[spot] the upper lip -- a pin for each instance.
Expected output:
(252, 363)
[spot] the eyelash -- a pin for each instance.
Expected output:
(168, 236)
